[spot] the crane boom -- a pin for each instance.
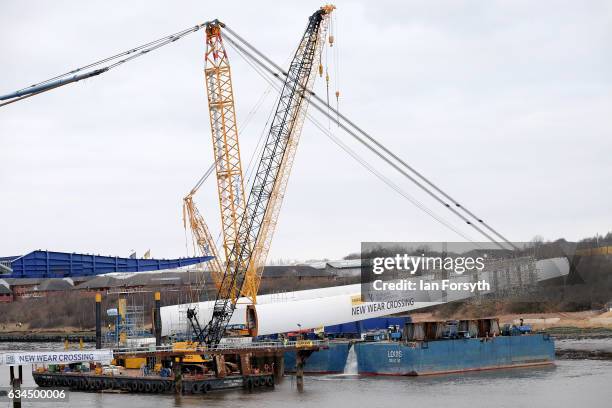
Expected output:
(262, 246)
(224, 129)
(201, 235)
(286, 117)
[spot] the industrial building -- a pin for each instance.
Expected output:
(49, 264)
(6, 294)
(277, 278)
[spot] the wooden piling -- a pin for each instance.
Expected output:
(157, 320)
(98, 321)
(300, 360)
(279, 368)
(178, 375)
(16, 385)
(245, 364)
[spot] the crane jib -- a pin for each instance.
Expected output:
(34, 89)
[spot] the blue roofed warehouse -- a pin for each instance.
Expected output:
(48, 264)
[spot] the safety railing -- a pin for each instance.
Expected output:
(223, 347)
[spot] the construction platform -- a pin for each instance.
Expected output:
(189, 370)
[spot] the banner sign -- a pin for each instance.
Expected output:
(56, 357)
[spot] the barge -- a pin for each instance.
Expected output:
(453, 355)
(435, 347)
(329, 361)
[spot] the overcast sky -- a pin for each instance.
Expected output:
(506, 105)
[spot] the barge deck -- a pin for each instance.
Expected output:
(190, 370)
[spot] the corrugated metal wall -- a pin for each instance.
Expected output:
(47, 264)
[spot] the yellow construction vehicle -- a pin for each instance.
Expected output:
(190, 358)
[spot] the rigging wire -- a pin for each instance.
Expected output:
(259, 145)
(367, 136)
(386, 180)
(156, 44)
(390, 158)
(241, 127)
(176, 36)
(336, 67)
(61, 80)
(360, 159)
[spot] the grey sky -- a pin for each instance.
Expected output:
(506, 105)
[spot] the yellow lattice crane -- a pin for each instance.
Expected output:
(202, 237)
(224, 129)
(228, 164)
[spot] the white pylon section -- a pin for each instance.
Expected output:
(316, 308)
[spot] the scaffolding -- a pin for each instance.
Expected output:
(126, 325)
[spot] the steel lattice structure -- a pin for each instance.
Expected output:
(269, 168)
(262, 245)
(224, 129)
(202, 237)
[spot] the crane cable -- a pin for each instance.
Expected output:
(250, 166)
(243, 125)
(423, 185)
(321, 107)
(327, 132)
(362, 161)
(63, 79)
(141, 50)
(336, 68)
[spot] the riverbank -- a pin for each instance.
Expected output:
(587, 320)
(561, 325)
(555, 321)
(48, 336)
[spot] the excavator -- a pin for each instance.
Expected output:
(248, 223)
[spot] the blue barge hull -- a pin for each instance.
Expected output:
(450, 356)
(325, 361)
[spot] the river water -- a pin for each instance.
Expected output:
(569, 383)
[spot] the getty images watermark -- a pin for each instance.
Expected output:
(444, 272)
(410, 264)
